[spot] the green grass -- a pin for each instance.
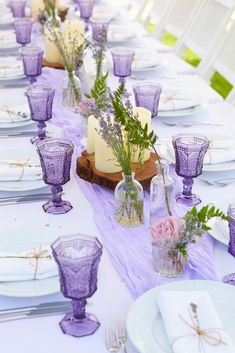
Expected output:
(220, 84)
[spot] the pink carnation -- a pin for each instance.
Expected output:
(168, 228)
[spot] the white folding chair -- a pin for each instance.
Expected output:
(207, 28)
(178, 17)
(159, 11)
(222, 60)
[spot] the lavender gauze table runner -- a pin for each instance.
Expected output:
(129, 248)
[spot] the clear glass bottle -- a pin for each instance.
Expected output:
(161, 193)
(72, 95)
(129, 202)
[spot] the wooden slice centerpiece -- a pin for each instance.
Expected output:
(86, 170)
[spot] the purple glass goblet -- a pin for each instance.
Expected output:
(190, 150)
(86, 10)
(23, 29)
(99, 29)
(147, 95)
(17, 8)
(78, 258)
(32, 62)
(55, 156)
(40, 100)
(231, 222)
(122, 61)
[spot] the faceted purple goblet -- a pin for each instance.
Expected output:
(40, 99)
(189, 153)
(122, 61)
(231, 220)
(55, 156)
(147, 95)
(23, 29)
(17, 8)
(86, 9)
(78, 258)
(32, 62)
(99, 29)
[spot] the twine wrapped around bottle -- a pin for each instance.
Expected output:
(211, 335)
(33, 257)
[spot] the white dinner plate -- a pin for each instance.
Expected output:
(166, 152)
(144, 323)
(182, 112)
(17, 240)
(219, 228)
(20, 154)
(11, 119)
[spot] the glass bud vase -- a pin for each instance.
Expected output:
(72, 95)
(129, 202)
(167, 261)
(161, 193)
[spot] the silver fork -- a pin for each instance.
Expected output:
(111, 342)
(121, 333)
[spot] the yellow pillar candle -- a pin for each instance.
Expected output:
(104, 159)
(73, 29)
(52, 54)
(144, 116)
(92, 127)
(36, 7)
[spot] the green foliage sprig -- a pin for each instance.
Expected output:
(196, 223)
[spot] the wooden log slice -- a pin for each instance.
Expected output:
(86, 170)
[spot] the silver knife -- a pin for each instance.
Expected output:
(42, 306)
(37, 313)
(18, 134)
(29, 196)
(19, 201)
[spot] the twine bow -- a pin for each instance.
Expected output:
(36, 255)
(11, 113)
(20, 165)
(211, 336)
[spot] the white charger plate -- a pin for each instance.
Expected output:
(18, 122)
(27, 238)
(165, 152)
(21, 154)
(144, 323)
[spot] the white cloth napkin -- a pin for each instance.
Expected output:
(7, 39)
(20, 170)
(118, 33)
(11, 67)
(175, 303)
(220, 151)
(23, 269)
(178, 99)
(144, 59)
(16, 114)
(6, 18)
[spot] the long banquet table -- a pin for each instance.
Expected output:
(43, 335)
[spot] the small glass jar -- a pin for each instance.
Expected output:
(167, 261)
(72, 95)
(161, 193)
(129, 202)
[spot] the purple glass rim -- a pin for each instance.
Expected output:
(100, 20)
(231, 212)
(190, 140)
(22, 21)
(75, 237)
(31, 51)
(13, 2)
(147, 87)
(44, 145)
(122, 51)
(37, 90)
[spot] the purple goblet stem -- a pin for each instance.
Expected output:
(86, 25)
(32, 80)
(231, 246)
(187, 187)
(41, 130)
(122, 80)
(79, 306)
(56, 194)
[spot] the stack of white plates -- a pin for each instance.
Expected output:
(8, 39)
(14, 116)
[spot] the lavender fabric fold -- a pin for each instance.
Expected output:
(128, 248)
